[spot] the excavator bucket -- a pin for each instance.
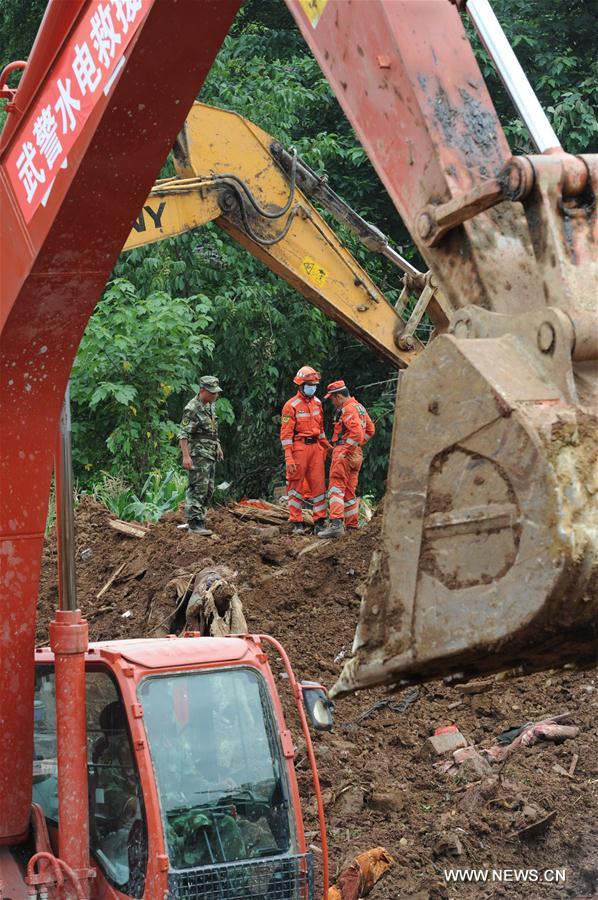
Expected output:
(488, 552)
(488, 557)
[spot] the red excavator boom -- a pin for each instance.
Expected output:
(65, 217)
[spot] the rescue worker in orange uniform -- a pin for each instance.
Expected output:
(305, 446)
(352, 429)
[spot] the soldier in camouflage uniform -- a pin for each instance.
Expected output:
(198, 440)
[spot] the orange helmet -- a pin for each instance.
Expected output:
(306, 375)
(334, 387)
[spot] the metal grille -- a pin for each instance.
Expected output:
(277, 878)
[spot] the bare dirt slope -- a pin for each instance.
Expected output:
(380, 785)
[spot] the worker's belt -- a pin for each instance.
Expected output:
(307, 440)
(338, 443)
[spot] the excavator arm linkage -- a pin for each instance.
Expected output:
(228, 175)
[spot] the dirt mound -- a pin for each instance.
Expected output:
(380, 785)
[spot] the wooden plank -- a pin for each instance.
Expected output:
(111, 580)
(131, 529)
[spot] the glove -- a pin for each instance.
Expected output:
(291, 465)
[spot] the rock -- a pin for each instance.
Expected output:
(350, 799)
(443, 744)
(479, 794)
(265, 532)
(273, 555)
(388, 803)
(215, 538)
(472, 766)
(482, 705)
(448, 844)
(403, 842)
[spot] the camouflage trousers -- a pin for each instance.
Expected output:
(200, 488)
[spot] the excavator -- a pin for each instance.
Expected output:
(488, 551)
(231, 172)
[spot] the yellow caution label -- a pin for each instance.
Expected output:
(313, 10)
(314, 271)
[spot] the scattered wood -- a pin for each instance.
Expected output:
(475, 687)
(111, 581)
(311, 547)
(100, 611)
(536, 828)
(573, 765)
(131, 529)
(268, 513)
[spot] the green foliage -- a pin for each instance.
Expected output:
(138, 358)
(554, 43)
(158, 495)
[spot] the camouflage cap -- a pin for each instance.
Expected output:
(210, 383)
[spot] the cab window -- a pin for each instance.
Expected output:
(118, 836)
(218, 764)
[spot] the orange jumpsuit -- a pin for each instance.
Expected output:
(304, 443)
(352, 429)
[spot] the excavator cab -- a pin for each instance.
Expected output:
(191, 784)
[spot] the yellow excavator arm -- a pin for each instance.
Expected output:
(227, 174)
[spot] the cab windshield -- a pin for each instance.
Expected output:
(218, 766)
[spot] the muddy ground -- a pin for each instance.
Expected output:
(379, 781)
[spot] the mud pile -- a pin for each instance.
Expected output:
(378, 777)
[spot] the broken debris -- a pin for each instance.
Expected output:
(360, 876)
(131, 529)
(214, 608)
(549, 729)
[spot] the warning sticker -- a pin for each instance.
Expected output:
(313, 10)
(314, 271)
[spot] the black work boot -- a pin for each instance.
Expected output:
(197, 527)
(336, 529)
(298, 528)
(320, 526)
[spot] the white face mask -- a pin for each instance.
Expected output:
(310, 389)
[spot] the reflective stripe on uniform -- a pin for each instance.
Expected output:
(320, 507)
(349, 503)
(303, 415)
(286, 442)
(295, 503)
(318, 498)
(322, 434)
(296, 401)
(294, 493)
(336, 490)
(351, 441)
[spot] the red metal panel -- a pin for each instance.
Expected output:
(53, 272)
(407, 79)
(405, 75)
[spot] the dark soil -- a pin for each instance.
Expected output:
(379, 783)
